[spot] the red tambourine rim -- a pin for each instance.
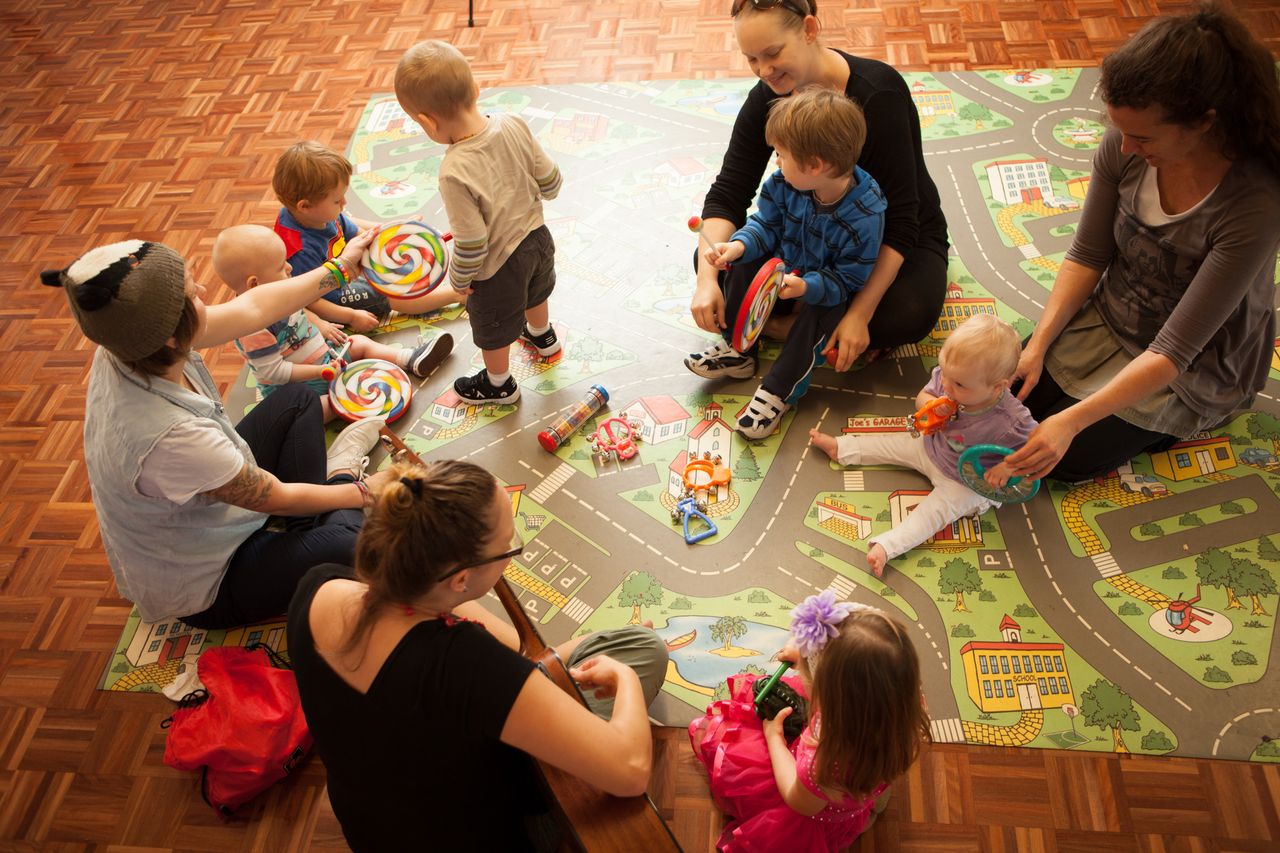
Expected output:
(349, 417)
(758, 290)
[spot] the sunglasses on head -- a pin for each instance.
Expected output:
(517, 548)
(800, 7)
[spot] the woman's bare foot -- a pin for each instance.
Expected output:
(822, 441)
(876, 559)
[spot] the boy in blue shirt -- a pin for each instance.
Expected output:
(311, 182)
(824, 217)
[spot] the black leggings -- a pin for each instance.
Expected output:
(1099, 447)
(286, 434)
(907, 312)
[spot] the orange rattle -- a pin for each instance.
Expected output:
(932, 416)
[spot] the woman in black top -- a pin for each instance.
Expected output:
(425, 715)
(903, 297)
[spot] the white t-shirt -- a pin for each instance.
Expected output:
(195, 456)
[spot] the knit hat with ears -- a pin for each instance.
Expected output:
(127, 296)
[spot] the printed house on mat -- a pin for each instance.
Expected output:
(1016, 676)
(1194, 458)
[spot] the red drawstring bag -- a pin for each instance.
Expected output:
(245, 730)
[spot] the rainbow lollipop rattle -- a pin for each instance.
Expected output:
(371, 388)
(972, 471)
(406, 260)
(758, 303)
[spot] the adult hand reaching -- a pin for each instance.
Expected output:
(849, 340)
(601, 674)
(1045, 447)
(1030, 366)
(707, 306)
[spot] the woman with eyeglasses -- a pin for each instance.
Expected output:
(902, 298)
(424, 713)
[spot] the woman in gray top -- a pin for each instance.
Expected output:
(1161, 322)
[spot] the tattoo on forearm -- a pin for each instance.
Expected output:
(250, 489)
(329, 282)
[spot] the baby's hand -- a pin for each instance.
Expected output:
(362, 321)
(793, 287)
(773, 728)
(721, 255)
(998, 475)
(331, 332)
(789, 653)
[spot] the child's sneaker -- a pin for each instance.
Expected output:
(427, 357)
(478, 389)
(720, 360)
(762, 416)
(349, 451)
(547, 344)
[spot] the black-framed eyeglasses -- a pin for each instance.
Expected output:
(517, 548)
(765, 5)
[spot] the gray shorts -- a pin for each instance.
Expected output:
(525, 280)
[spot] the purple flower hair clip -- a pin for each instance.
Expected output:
(816, 620)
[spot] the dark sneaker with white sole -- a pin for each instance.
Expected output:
(478, 389)
(547, 344)
(425, 358)
(762, 415)
(720, 360)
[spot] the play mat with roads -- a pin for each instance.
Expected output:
(1135, 612)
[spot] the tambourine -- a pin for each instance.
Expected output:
(759, 302)
(371, 388)
(1016, 491)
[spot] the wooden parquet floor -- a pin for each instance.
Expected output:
(160, 119)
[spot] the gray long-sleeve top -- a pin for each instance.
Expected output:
(1198, 290)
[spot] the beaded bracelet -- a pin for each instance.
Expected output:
(346, 269)
(336, 268)
(366, 498)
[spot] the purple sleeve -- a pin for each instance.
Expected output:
(934, 385)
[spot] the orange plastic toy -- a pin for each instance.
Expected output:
(932, 416)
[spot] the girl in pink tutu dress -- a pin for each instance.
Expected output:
(859, 671)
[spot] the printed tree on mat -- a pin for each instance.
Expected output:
(726, 629)
(1214, 568)
(639, 589)
(1248, 578)
(1262, 425)
(1106, 706)
(959, 576)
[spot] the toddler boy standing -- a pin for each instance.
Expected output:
(493, 179)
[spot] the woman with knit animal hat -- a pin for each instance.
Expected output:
(182, 496)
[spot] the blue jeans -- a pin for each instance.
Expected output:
(286, 434)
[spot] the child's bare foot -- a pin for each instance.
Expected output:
(822, 441)
(876, 559)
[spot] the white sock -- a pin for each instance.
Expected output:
(539, 330)
(402, 357)
(498, 379)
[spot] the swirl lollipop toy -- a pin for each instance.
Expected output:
(406, 260)
(371, 388)
(759, 301)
